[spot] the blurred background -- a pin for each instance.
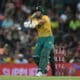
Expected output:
(17, 43)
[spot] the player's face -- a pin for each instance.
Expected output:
(38, 13)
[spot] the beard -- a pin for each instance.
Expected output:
(38, 17)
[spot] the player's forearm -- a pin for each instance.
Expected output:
(41, 21)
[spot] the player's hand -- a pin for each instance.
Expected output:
(29, 24)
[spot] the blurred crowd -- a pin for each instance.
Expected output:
(17, 43)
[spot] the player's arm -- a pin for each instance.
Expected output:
(41, 21)
(31, 23)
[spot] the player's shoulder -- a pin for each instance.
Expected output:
(45, 17)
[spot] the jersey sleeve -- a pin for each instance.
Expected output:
(46, 18)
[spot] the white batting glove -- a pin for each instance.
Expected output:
(27, 24)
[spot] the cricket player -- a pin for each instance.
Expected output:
(44, 45)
